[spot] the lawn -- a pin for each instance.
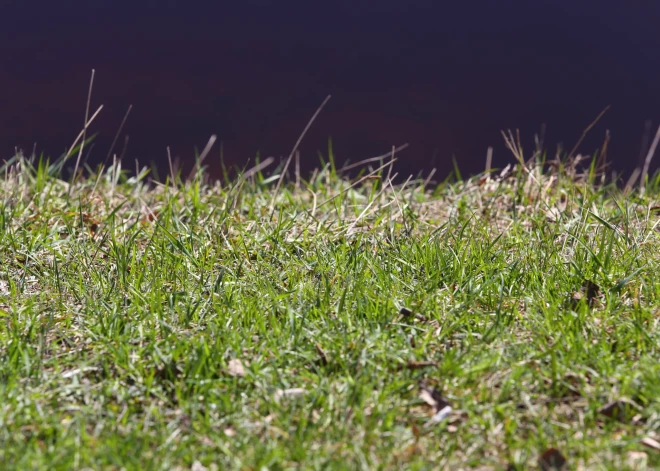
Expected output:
(506, 321)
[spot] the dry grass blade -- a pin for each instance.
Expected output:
(601, 163)
(357, 182)
(631, 181)
(489, 159)
(586, 131)
(364, 211)
(114, 141)
(291, 392)
(648, 159)
(378, 158)
(82, 145)
(428, 179)
(87, 124)
(169, 161)
(297, 170)
(651, 443)
(293, 151)
(257, 168)
(203, 155)
(514, 145)
(515, 149)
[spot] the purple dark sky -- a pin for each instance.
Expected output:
(444, 76)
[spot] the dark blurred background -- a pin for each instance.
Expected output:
(445, 77)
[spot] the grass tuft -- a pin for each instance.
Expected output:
(508, 320)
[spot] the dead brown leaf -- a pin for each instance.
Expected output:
(620, 410)
(322, 354)
(651, 443)
(150, 216)
(405, 312)
(417, 365)
(415, 430)
(552, 460)
(434, 399)
(553, 214)
(563, 201)
(235, 368)
(408, 314)
(592, 290)
(589, 290)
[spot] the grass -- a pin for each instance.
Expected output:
(189, 325)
